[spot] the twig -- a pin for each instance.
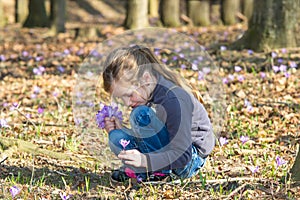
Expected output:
(17, 109)
(4, 159)
(57, 125)
(229, 180)
(236, 190)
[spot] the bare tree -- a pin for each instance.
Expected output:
(153, 8)
(58, 15)
(247, 8)
(199, 12)
(37, 14)
(273, 25)
(137, 14)
(21, 10)
(229, 10)
(2, 17)
(170, 12)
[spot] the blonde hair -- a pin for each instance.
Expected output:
(132, 58)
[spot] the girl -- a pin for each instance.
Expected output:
(170, 129)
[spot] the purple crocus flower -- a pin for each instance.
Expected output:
(250, 52)
(274, 55)
(124, 143)
(107, 111)
(61, 69)
(78, 121)
(174, 58)
(14, 191)
(237, 68)
(39, 70)
(181, 55)
(280, 161)
(248, 105)
(3, 123)
(36, 89)
(156, 52)
(225, 81)
(231, 77)
(240, 78)
(183, 66)
(262, 75)
(2, 58)
(223, 141)
(38, 58)
(25, 53)
(40, 110)
(283, 51)
(66, 51)
(275, 68)
(223, 48)
(282, 68)
(200, 75)
(254, 169)
(206, 70)
(287, 75)
(293, 64)
(164, 60)
(244, 139)
(80, 52)
(194, 67)
(64, 196)
(280, 60)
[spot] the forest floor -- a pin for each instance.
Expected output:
(43, 152)
(43, 155)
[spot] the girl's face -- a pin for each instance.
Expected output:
(132, 95)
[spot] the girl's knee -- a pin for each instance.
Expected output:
(141, 115)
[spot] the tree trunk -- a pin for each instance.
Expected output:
(37, 14)
(137, 14)
(215, 12)
(247, 8)
(295, 171)
(2, 17)
(58, 15)
(272, 25)
(199, 12)
(21, 11)
(229, 9)
(170, 12)
(153, 8)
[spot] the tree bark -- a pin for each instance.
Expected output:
(170, 12)
(229, 9)
(136, 14)
(58, 16)
(153, 8)
(37, 14)
(247, 8)
(295, 171)
(2, 17)
(21, 11)
(199, 12)
(215, 12)
(272, 25)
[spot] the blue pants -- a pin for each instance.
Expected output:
(149, 134)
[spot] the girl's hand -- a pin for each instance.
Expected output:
(133, 157)
(112, 123)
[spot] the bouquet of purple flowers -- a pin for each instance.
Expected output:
(107, 111)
